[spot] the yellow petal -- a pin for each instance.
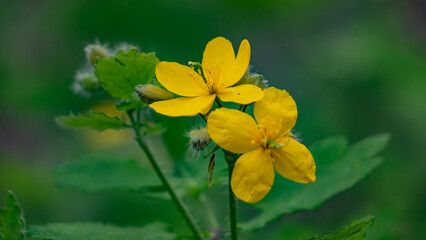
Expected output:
(184, 106)
(220, 52)
(220, 67)
(294, 161)
(253, 175)
(180, 79)
(242, 94)
(280, 106)
(233, 130)
(239, 68)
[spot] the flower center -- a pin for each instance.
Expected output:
(213, 75)
(273, 144)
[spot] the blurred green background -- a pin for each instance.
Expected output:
(355, 68)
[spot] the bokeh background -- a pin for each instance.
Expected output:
(355, 68)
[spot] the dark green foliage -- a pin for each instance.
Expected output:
(338, 169)
(356, 231)
(95, 231)
(12, 223)
(105, 174)
(174, 136)
(98, 121)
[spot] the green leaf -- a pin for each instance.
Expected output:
(337, 170)
(11, 221)
(95, 231)
(106, 174)
(120, 75)
(356, 231)
(98, 121)
(97, 174)
(153, 128)
(131, 105)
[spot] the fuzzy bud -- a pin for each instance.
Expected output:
(199, 139)
(149, 93)
(125, 47)
(85, 83)
(94, 51)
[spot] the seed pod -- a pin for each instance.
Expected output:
(149, 93)
(199, 139)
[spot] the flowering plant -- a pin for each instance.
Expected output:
(244, 152)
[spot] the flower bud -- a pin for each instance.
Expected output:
(85, 83)
(149, 93)
(94, 51)
(254, 79)
(199, 139)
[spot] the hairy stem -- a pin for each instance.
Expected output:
(176, 200)
(230, 159)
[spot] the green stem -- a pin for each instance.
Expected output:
(245, 107)
(232, 203)
(219, 103)
(203, 117)
(216, 147)
(138, 115)
(176, 200)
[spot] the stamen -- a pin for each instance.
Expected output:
(272, 143)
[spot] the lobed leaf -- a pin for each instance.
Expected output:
(357, 230)
(98, 121)
(95, 231)
(97, 174)
(337, 170)
(12, 223)
(119, 75)
(106, 174)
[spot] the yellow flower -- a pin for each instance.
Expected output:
(221, 70)
(265, 145)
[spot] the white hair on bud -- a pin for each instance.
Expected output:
(85, 82)
(95, 50)
(297, 136)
